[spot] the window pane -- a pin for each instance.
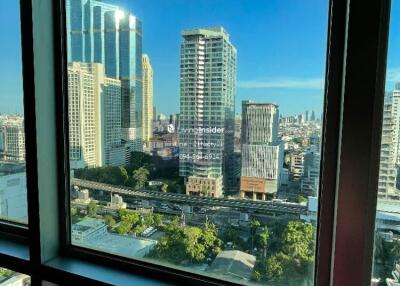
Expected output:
(195, 133)
(12, 278)
(13, 200)
(387, 225)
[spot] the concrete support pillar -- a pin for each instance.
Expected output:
(254, 196)
(263, 197)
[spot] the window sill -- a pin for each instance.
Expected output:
(14, 255)
(97, 273)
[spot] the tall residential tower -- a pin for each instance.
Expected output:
(94, 107)
(207, 110)
(147, 98)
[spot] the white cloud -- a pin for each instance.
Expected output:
(283, 82)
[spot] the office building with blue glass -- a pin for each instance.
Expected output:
(102, 33)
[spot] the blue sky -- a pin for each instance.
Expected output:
(10, 58)
(281, 48)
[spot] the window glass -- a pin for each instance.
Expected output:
(12, 278)
(387, 225)
(13, 200)
(195, 133)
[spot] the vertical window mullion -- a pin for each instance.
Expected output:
(363, 92)
(331, 133)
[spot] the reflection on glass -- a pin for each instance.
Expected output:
(195, 137)
(13, 200)
(12, 278)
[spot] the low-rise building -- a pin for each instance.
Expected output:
(233, 264)
(211, 187)
(13, 195)
(117, 202)
(93, 233)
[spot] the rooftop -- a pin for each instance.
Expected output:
(120, 244)
(208, 32)
(233, 263)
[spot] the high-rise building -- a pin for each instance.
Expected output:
(94, 103)
(312, 117)
(102, 33)
(154, 113)
(389, 142)
(311, 167)
(262, 152)
(147, 98)
(394, 98)
(207, 109)
(12, 138)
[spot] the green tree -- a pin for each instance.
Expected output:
(262, 241)
(395, 249)
(132, 218)
(121, 213)
(91, 209)
(164, 188)
(298, 241)
(140, 177)
(256, 276)
(158, 219)
(123, 175)
(109, 220)
(149, 220)
(124, 227)
(231, 234)
(254, 225)
(300, 199)
(276, 265)
(138, 229)
(383, 254)
(139, 159)
(108, 175)
(187, 244)
(74, 211)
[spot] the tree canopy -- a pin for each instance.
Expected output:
(292, 257)
(140, 177)
(187, 244)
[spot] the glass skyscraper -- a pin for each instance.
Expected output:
(207, 110)
(103, 33)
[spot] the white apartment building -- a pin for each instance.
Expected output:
(13, 195)
(297, 165)
(148, 115)
(207, 105)
(94, 117)
(12, 138)
(262, 152)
